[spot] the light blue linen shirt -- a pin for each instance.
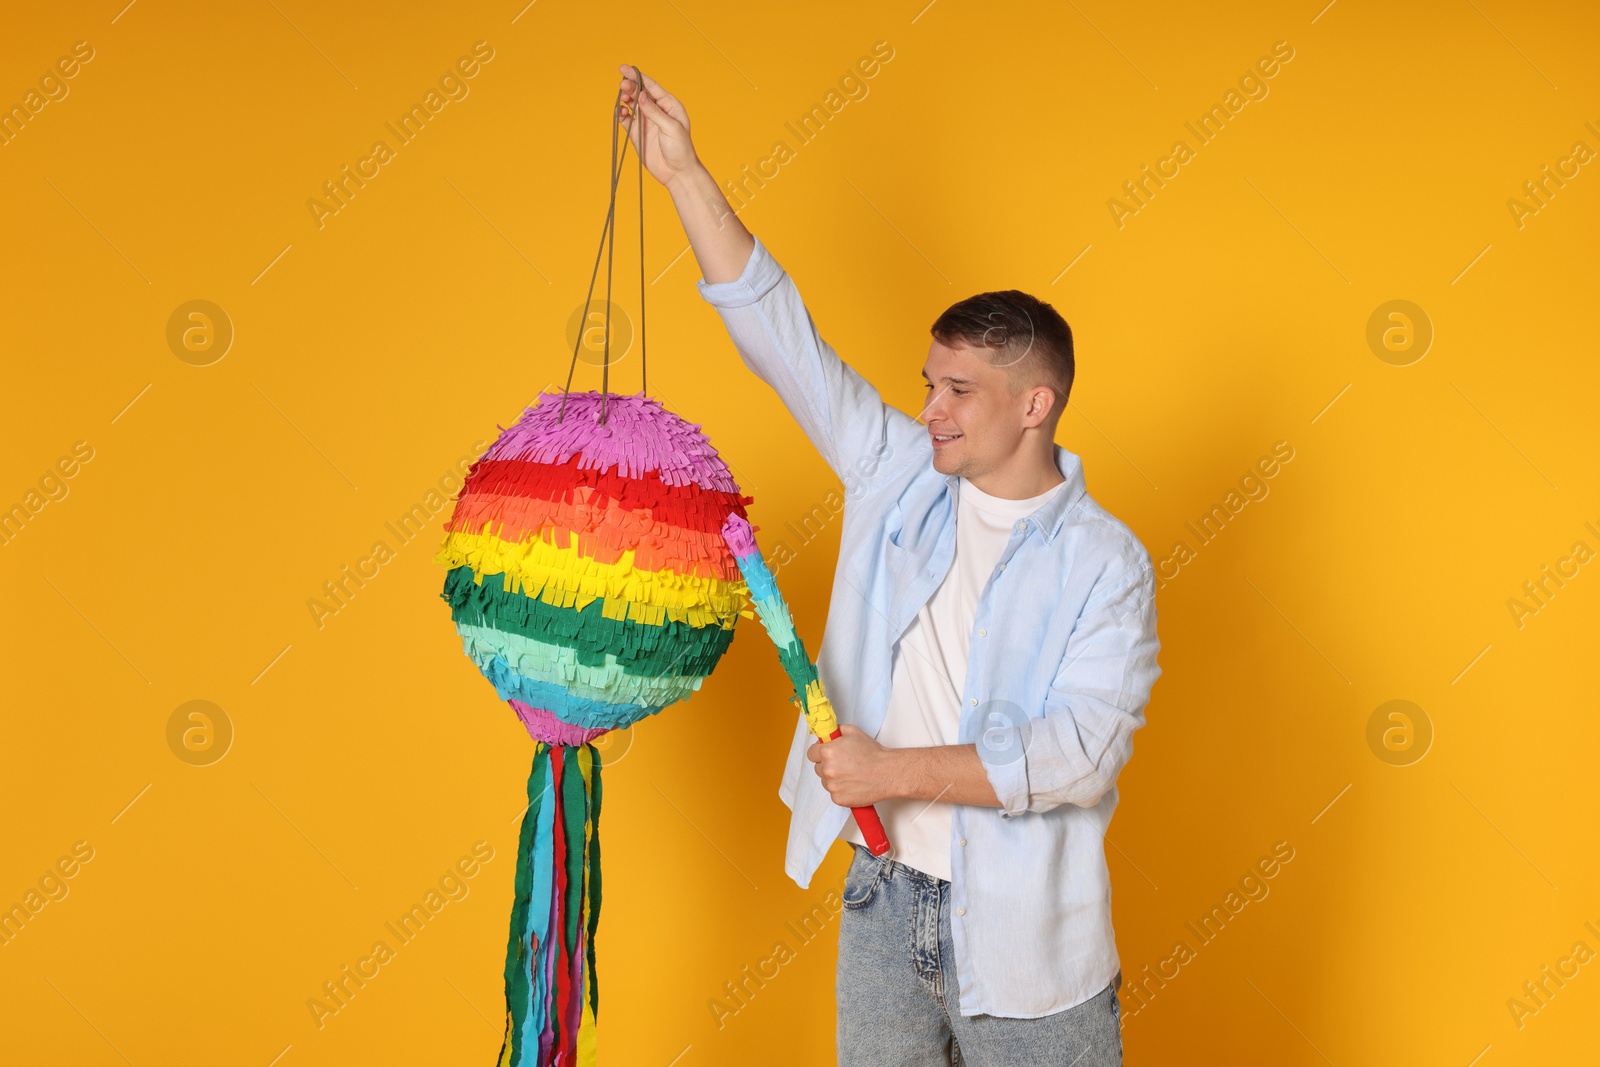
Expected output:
(1062, 659)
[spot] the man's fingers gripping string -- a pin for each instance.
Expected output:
(651, 111)
(654, 102)
(662, 99)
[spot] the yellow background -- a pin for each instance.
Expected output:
(370, 354)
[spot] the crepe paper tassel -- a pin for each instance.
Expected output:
(552, 998)
(589, 581)
(808, 691)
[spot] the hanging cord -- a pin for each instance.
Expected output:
(605, 231)
(638, 113)
(609, 230)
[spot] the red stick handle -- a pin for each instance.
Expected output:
(867, 821)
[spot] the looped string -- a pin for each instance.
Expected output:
(609, 231)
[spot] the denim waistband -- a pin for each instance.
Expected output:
(896, 867)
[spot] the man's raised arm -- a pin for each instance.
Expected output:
(840, 411)
(720, 241)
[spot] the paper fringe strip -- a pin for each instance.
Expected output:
(564, 576)
(639, 438)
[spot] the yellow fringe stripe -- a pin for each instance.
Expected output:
(562, 578)
(819, 711)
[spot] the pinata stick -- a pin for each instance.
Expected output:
(809, 694)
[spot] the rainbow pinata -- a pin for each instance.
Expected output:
(589, 578)
(590, 582)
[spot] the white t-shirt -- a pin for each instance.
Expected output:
(929, 671)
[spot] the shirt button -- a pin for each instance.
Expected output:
(961, 911)
(963, 840)
(983, 633)
(1002, 566)
(974, 700)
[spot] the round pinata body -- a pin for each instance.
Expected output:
(588, 576)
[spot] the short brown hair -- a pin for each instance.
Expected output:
(1027, 336)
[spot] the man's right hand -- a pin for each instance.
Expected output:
(668, 152)
(720, 241)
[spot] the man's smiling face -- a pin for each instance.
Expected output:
(973, 415)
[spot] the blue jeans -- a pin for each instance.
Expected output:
(898, 995)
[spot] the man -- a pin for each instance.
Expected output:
(990, 648)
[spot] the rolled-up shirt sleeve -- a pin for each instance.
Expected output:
(1073, 753)
(840, 412)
